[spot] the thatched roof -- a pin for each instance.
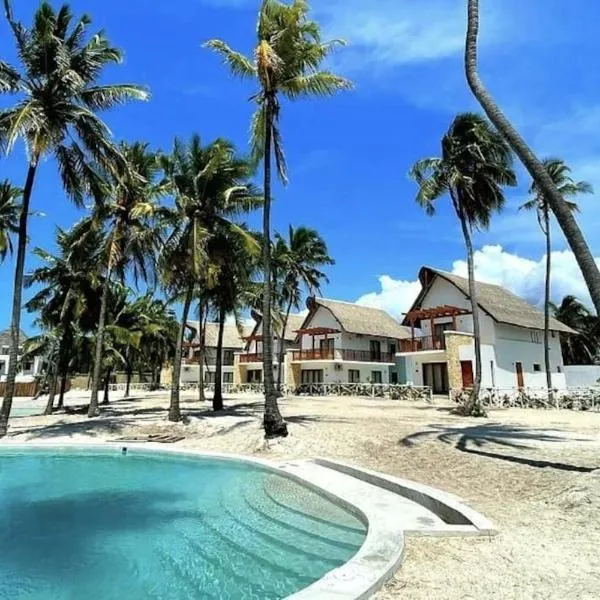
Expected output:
(361, 320)
(5, 338)
(500, 304)
(231, 335)
(294, 323)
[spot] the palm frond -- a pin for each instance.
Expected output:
(240, 65)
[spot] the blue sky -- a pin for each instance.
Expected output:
(348, 156)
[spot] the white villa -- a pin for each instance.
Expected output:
(250, 361)
(440, 350)
(28, 370)
(341, 342)
(233, 343)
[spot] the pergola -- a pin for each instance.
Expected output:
(423, 314)
(314, 332)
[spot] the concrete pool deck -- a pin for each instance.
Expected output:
(389, 508)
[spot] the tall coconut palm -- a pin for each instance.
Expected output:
(474, 166)
(542, 178)
(286, 62)
(9, 216)
(212, 187)
(55, 113)
(297, 261)
(583, 348)
(559, 172)
(66, 301)
(133, 233)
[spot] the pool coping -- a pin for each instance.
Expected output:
(382, 550)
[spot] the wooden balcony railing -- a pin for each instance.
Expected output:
(251, 358)
(430, 342)
(350, 355)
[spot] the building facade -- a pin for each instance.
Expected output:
(341, 342)
(440, 350)
(28, 370)
(233, 343)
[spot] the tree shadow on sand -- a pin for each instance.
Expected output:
(471, 439)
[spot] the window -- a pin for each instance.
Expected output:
(535, 337)
(392, 349)
(254, 376)
(227, 377)
(228, 357)
(537, 368)
(27, 367)
(312, 375)
(394, 377)
(209, 377)
(326, 347)
(376, 377)
(2, 367)
(353, 376)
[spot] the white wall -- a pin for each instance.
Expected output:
(22, 376)
(582, 375)
(333, 375)
(444, 293)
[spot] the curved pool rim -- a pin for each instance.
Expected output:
(358, 579)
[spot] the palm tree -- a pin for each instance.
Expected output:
(475, 164)
(67, 299)
(296, 266)
(235, 260)
(128, 213)
(583, 348)
(212, 187)
(286, 61)
(542, 178)
(9, 216)
(55, 114)
(559, 172)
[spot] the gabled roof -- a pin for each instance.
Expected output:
(500, 304)
(5, 338)
(358, 319)
(231, 335)
(294, 322)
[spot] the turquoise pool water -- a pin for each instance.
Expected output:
(83, 525)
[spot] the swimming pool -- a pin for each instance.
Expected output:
(103, 525)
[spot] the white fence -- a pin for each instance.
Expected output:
(577, 398)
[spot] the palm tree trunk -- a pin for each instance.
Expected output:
(547, 302)
(281, 344)
(93, 407)
(174, 410)
(63, 387)
(218, 395)
(52, 391)
(105, 399)
(201, 311)
(128, 382)
(15, 323)
(536, 169)
(473, 406)
(273, 422)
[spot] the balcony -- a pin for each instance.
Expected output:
(421, 344)
(250, 358)
(339, 354)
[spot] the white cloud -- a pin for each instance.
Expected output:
(522, 276)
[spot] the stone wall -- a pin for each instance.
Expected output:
(454, 340)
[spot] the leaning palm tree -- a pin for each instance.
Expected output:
(57, 98)
(297, 261)
(287, 59)
(212, 187)
(542, 178)
(559, 172)
(134, 234)
(9, 216)
(474, 166)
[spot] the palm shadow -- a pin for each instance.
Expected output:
(508, 436)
